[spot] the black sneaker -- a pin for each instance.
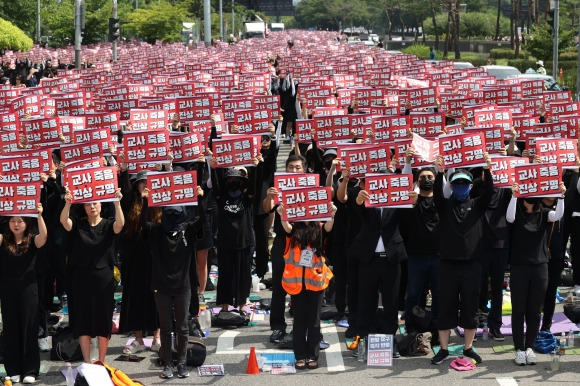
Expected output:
(496, 334)
(349, 333)
(277, 336)
(440, 357)
(209, 286)
(473, 355)
(396, 353)
(182, 371)
(167, 372)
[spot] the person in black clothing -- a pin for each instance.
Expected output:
(19, 294)
(172, 252)
(288, 92)
(91, 262)
(460, 222)
(529, 267)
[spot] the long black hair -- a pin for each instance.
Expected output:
(9, 242)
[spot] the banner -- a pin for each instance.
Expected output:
(283, 181)
(146, 146)
(380, 350)
(364, 160)
(538, 180)
(502, 170)
(236, 150)
(185, 147)
(390, 128)
(21, 169)
(91, 185)
(332, 130)
(19, 199)
(41, 131)
(389, 190)
(252, 121)
(562, 151)
(462, 150)
(304, 130)
(495, 117)
(428, 125)
(172, 188)
(427, 150)
(494, 137)
(307, 204)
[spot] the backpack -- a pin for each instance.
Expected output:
(572, 312)
(230, 319)
(196, 352)
(415, 344)
(64, 346)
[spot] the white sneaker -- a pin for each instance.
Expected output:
(520, 358)
(530, 357)
(15, 378)
(262, 286)
(43, 344)
(156, 346)
(29, 379)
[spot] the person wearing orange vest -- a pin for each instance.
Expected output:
(305, 277)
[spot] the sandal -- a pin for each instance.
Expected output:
(300, 364)
(312, 364)
(133, 348)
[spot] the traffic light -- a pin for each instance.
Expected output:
(114, 29)
(550, 21)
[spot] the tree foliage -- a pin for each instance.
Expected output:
(158, 22)
(12, 37)
(21, 13)
(540, 42)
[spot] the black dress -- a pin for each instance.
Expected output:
(19, 294)
(91, 261)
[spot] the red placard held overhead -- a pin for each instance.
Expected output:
(252, 121)
(145, 119)
(538, 180)
(91, 185)
(562, 151)
(283, 181)
(332, 130)
(388, 190)
(185, 147)
(304, 130)
(427, 150)
(146, 146)
(494, 137)
(41, 131)
(365, 160)
(172, 188)
(21, 169)
(307, 204)
(236, 150)
(502, 170)
(428, 125)
(462, 150)
(19, 199)
(390, 128)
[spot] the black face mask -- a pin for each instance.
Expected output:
(173, 220)
(426, 184)
(233, 186)
(533, 200)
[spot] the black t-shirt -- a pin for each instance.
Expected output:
(496, 229)
(419, 227)
(530, 237)
(92, 246)
(18, 266)
(353, 226)
(235, 221)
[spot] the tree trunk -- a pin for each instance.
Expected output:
(518, 4)
(497, 31)
(390, 27)
(456, 30)
(403, 26)
(424, 34)
(447, 35)
(435, 27)
(546, 9)
(512, 45)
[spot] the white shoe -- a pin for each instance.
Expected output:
(530, 357)
(29, 379)
(262, 286)
(15, 378)
(43, 344)
(156, 346)
(520, 358)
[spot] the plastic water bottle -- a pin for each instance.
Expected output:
(255, 284)
(562, 349)
(570, 342)
(64, 304)
(207, 319)
(485, 335)
(203, 319)
(362, 352)
(70, 378)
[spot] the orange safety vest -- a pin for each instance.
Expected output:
(315, 278)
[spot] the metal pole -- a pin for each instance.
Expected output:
(221, 23)
(38, 21)
(78, 36)
(555, 47)
(233, 24)
(578, 67)
(115, 42)
(207, 22)
(136, 4)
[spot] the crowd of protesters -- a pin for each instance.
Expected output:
(457, 240)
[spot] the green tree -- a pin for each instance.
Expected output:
(313, 14)
(161, 21)
(12, 37)
(540, 42)
(21, 13)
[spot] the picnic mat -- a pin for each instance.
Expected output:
(454, 349)
(560, 324)
(502, 349)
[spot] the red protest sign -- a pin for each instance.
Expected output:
(99, 137)
(185, 147)
(19, 199)
(304, 130)
(461, 150)
(428, 125)
(494, 137)
(44, 154)
(332, 130)
(307, 204)
(21, 169)
(283, 181)
(41, 131)
(388, 190)
(390, 128)
(270, 103)
(68, 125)
(502, 170)
(252, 121)
(236, 150)
(495, 117)
(427, 150)
(538, 180)
(172, 188)
(105, 120)
(145, 119)
(364, 160)
(80, 152)
(91, 185)
(562, 151)
(401, 147)
(146, 146)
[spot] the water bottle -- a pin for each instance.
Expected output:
(255, 284)
(555, 361)
(485, 335)
(570, 338)
(361, 351)
(207, 319)
(562, 349)
(70, 378)
(203, 319)
(64, 304)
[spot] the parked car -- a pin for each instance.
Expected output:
(502, 72)
(550, 83)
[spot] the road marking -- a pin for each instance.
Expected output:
(506, 381)
(226, 342)
(334, 361)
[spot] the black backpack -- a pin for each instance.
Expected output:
(230, 319)
(572, 312)
(196, 352)
(64, 346)
(415, 344)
